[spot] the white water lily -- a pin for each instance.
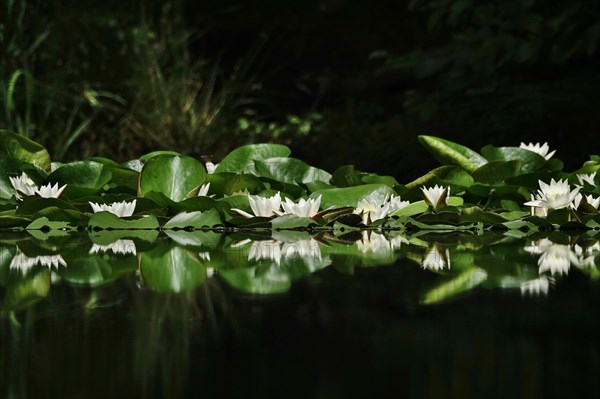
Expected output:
(540, 211)
(120, 209)
(211, 167)
(23, 185)
(586, 178)
(204, 190)
(262, 206)
(50, 191)
(538, 286)
(437, 258)
(372, 211)
(556, 195)
(304, 208)
(436, 196)
(589, 199)
(541, 149)
(556, 259)
(24, 263)
(119, 247)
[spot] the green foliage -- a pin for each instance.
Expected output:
(472, 193)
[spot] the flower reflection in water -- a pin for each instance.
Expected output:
(557, 258)
(119, 247)
(539, 286)
(24, 263)
(437, 258)
(378, 243)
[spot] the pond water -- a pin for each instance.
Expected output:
(283, 314)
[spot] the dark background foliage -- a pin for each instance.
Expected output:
(340, 81)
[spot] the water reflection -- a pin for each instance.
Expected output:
(165, 312)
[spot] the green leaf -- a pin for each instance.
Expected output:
(241, 160)
(107, 220)
(531, 160)
(476, 214)
(291, 222)
(412, 209)
(170, 268)
(33, 205)
(228, 183)
(290, 170)
(44, 223)
(450, 153)
(349, 196)
(19, 147)
(196, 219)
(83, 178)
(445, 176)
(172, 176)
(9, 222)
(497, 171)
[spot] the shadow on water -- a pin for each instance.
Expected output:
(365, 314)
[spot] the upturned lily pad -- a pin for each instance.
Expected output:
(241, 160)
(450, 153)
(171, 175)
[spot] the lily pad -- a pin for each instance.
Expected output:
(241, 160)
(171, 175)
(450, 153)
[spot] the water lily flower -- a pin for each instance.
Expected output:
(372, 211)
(538, 286)
(587, 199)
(556, 195)
(304, 208)
(211, 167)
(119, 247)
(121, 209)
(50, 191)
(437, 258)
(23, 185)
(262, 206)
(436, 196)
(203, 190)
(541, 149)
(24, 263)
(587, 178)
(556, 259)
(540, 211)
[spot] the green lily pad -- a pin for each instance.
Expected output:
(173, 176)
(195, 219)
(450, 153)
(107, 220)
(21, 148)
(241, 160)
(350, 196)
(290, 170)
(532, 161)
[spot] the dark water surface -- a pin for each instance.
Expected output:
(363, 315)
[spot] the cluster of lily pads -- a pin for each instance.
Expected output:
(260, 186)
